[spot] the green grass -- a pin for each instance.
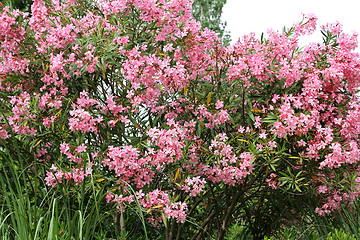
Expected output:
(31, 210)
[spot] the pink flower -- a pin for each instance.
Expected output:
(81, 148)
(194, 185)
(219, 104)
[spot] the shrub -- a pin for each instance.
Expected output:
(133, 95)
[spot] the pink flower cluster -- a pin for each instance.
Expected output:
(194, 186)
(128, 165)
(167, 144)
(158, 200)
(75, 175)
(82, 120)
(220, 116)
(230, 169)
(21, 114)
(272, 181)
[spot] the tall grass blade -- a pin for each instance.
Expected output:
(38, 226)
(51, 227)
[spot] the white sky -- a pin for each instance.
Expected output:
(245, 16)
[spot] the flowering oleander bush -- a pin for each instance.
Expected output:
(134, 94)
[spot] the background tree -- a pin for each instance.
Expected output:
(208, 13)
